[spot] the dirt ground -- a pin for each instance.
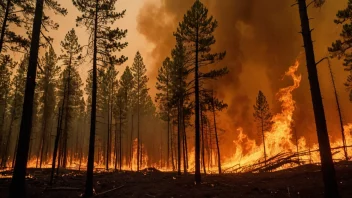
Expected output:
(303, 181)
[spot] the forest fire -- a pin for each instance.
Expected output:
(247, 155)
(193, 92)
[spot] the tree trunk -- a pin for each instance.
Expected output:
(216, 134)
(340, 115)
(178, 139)
(203, 158)
(90, 165)
(263, 137)
(185, 136)
(17, 187)
(13, 114)
(138, 137)
(327, 165)
(56, 144)
(172, 148)
(108, 140)
(131, 155)
(197, 126)
(67, 117)
(120, 136)
(4, 24)
(14, 153)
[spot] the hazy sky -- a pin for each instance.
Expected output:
(135, 40)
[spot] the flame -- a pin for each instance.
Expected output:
(247, 156)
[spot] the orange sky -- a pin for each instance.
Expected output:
(135, 40)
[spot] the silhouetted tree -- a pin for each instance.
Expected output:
(163, 85)
(140, 92)
(17, 187)
(6, 64)
(46, 86)
(96, 15)
(15, 13)
(327, 165)
(196, 31)
(263, 117)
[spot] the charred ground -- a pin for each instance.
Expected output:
(302, 181)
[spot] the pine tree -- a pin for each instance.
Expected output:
(17, 187)
(6, 63)
(71, 58)
(163, 85)
(109, 85)
(18, 85)
(263, 117)
(126, 86)
(11, 10)
(327, 165)
(96, 15)
(46, 85)
(196, 32)
(140, 92)
(341, 48)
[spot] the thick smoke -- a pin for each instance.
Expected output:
(262, 40)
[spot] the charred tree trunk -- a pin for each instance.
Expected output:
(13, 117)
(17, 187)
(178, 139)
(4, 24)
(131, 155)
(340, 114)
(263, 137)
(197, 118)
(138, 137)
(115, 147)
(172, 148)
(216, 134)
(14, 153)
(120, 136)
(327, 165)
(203, 158)
(56, 144)
(67, 117)
(90, 165)
(108, 140)
(185, 136)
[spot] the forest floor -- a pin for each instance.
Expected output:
(302, 181)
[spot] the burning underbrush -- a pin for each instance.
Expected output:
(283, 148)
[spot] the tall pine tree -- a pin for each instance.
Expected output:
(104, 41)
(17, 187)
(196, 32)
(140, 91)
(263, 117)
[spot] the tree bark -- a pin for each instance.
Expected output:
(90, 165)
(327, 165)
(56, 144)
(197, 124)
(203, 153)
(17, 187)
(216, 134)
(340, 114)
(178, 139)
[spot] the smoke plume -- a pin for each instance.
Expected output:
(262, 40)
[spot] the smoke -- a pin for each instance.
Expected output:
(262, 40)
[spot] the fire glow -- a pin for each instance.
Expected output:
(247, 155)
